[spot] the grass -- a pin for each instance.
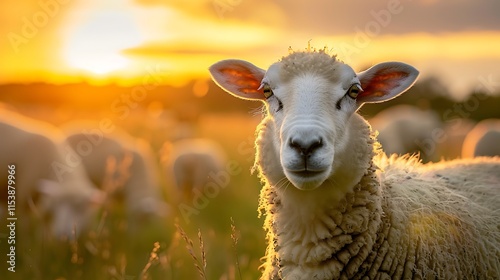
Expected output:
(234, 238)
(199, 265)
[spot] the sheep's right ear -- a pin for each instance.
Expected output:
(238, 77)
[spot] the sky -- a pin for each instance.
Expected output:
(120, 41)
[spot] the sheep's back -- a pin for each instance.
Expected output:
(447, 213)
(32, 155)
(478, 179)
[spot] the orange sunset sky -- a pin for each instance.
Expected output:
(118, 40)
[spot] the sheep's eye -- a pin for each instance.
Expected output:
(354, 90)
(268, 92)
(280, 105)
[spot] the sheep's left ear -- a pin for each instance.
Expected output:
(240, 78)
(385, 81)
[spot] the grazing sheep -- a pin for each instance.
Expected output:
(483, 140)
(189, 164)
(125, 169)
(406, 129)
(335, 206)
(455, 130)
(49, 183)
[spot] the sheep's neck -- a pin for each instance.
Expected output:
(314, 236)
(319, 229)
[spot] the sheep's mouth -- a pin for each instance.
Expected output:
(306, 173)
(306, 179)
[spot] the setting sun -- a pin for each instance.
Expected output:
(97, 43)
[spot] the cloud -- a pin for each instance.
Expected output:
(188, 35)
(252, 12)
(323, 17)
(340, 17)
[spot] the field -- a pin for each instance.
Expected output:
(215, 235)
(226, 222)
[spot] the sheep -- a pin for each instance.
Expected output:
(406, 129)
(483, 139)
(189, 164)
(338, 208)
(455, 130)
(125, 169)
(50, 185)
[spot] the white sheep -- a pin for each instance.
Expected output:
(337, 208)
(49, 184)
(483, 139)
(189, 163)
(406, 129)
(454, 132)
(125, 169)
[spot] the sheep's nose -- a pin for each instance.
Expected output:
(305, 147)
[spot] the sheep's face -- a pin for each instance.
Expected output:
(67, 211)
(310, 98)
(310, 112)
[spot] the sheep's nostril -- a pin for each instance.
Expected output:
(297, 145)
(305, 147)
(316, 145)
(294, 145)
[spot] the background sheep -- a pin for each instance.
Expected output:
(483, 139)
(455, 131)
(126, 170)
(405, 129)
(49, 183)
(333, 211)
(188, 164)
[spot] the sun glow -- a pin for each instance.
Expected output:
(96, 44)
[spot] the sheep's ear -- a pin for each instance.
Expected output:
(238, 77)
(385, 81)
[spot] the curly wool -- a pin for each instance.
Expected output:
(402, 220)
(303, 62)
(449, 212)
